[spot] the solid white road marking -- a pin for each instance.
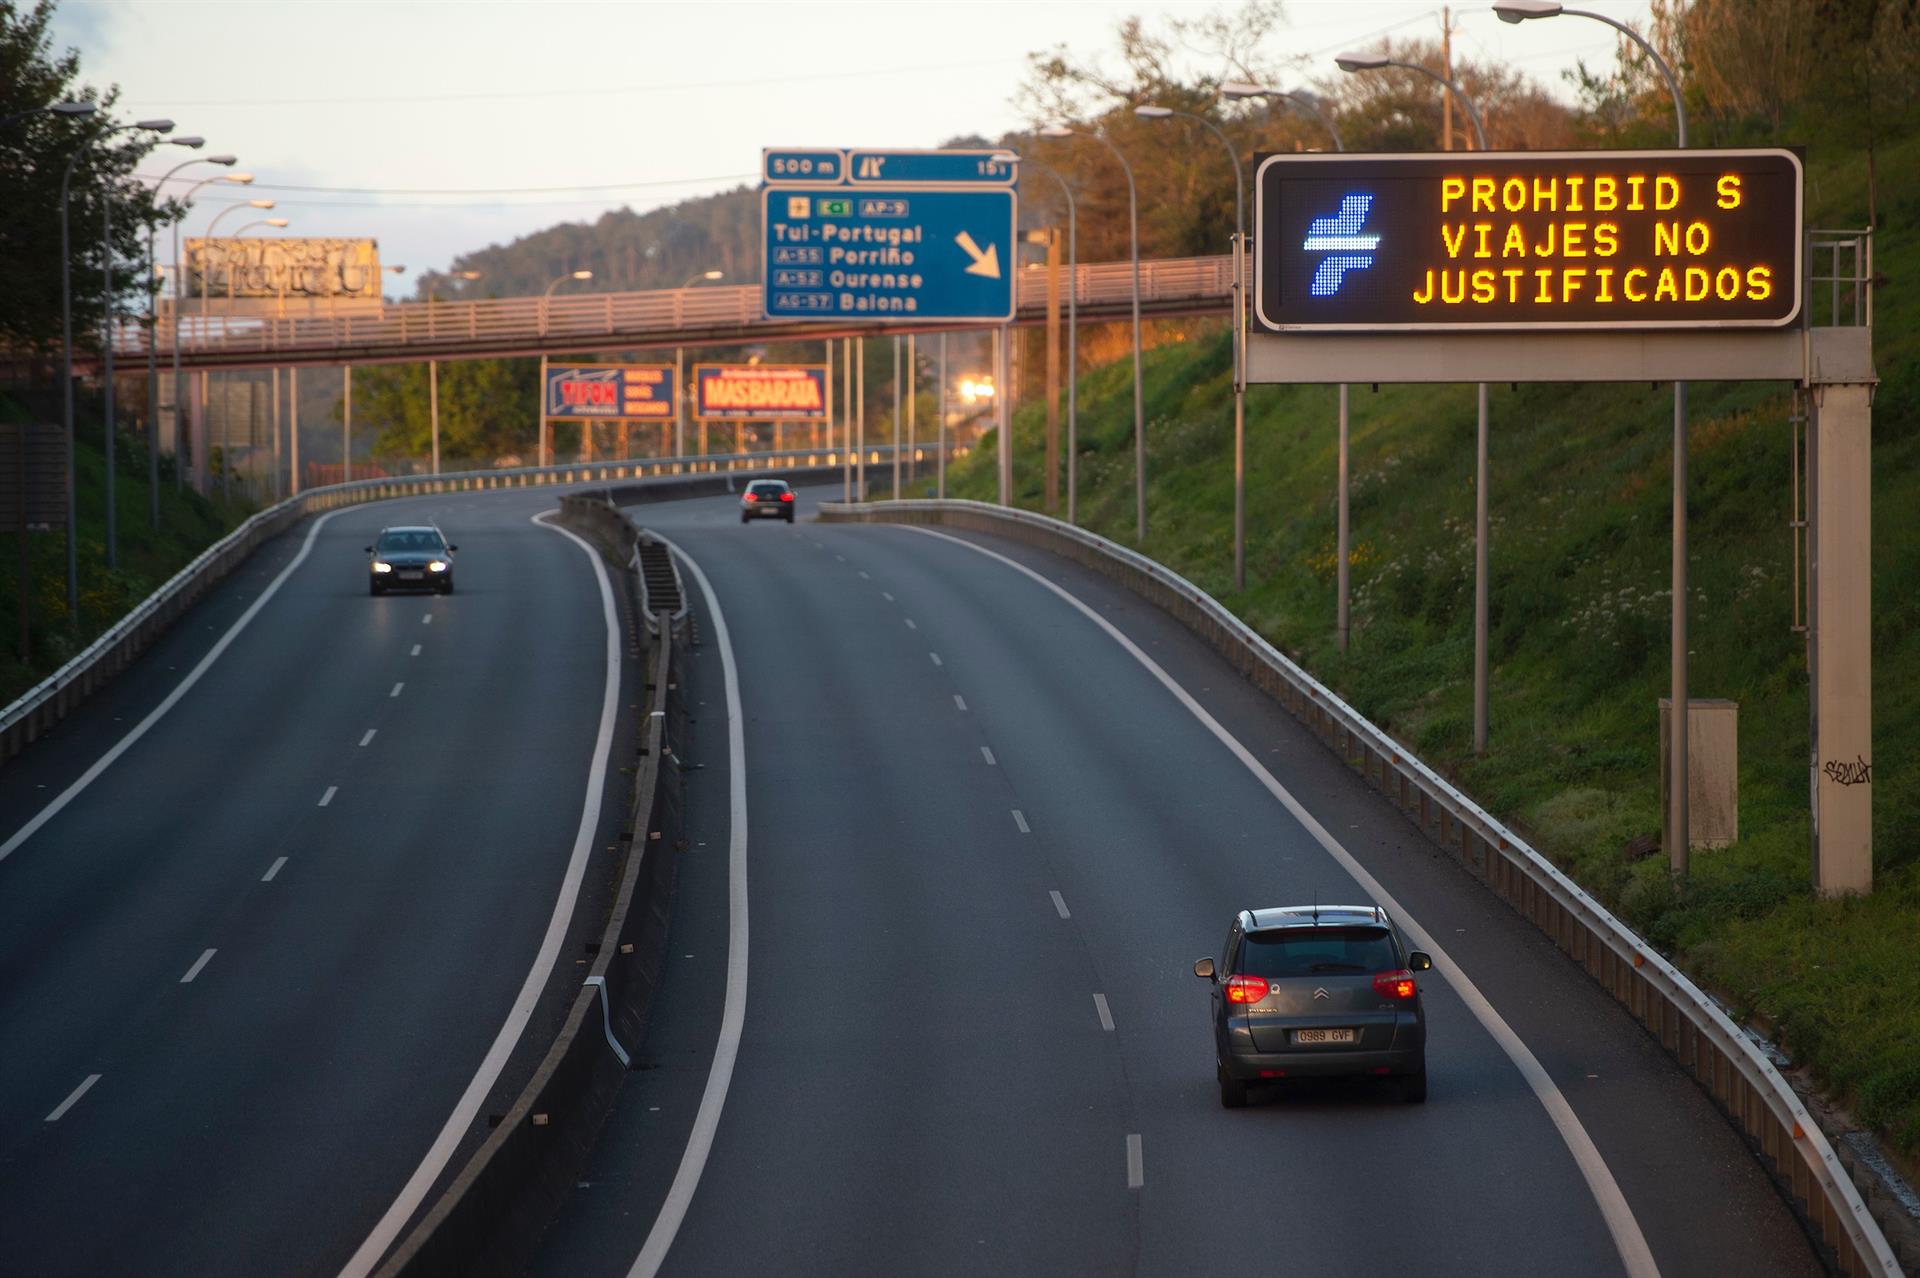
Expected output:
(415, 652)
(368, 739)
(987, 755)
(1635, 1255)
(1021, 821)
(273, 869)
(936, 659)
(733, 1017)
(77, 1093)
(327, 798)
(396, 689)
(1060, 904)
(1106, 1013)
(959, 702)
(1136, 1163)
(415, 1190)
(195, 969)
(125, 743)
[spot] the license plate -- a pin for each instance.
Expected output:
(411, 576)
(1323, 1036)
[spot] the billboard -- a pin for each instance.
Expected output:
(1528, 240)
(611, 391)
(287, 269)
(761, 392)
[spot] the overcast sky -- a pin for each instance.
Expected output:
(437, 128)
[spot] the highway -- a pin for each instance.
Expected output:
(983, 838)
(249, 972)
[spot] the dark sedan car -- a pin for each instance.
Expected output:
(410, 558)
(767, 499)
(1316, 990)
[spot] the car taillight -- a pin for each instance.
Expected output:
(1246, 989)
(786, 496)
(1395, 985)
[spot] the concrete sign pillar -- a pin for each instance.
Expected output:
(1840, 549)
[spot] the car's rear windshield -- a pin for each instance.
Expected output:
(1320, 951)
(410, 539)
(764, 486)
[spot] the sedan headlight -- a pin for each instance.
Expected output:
(438, 565)
(380, 565)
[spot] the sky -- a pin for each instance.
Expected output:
(439, 128)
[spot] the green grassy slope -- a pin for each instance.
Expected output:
(1581, 484)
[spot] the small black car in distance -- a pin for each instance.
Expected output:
(415, 557)
(767, 499)
(1316, 990)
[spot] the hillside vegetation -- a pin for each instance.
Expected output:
(1580, 493)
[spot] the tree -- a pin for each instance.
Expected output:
(489, 408)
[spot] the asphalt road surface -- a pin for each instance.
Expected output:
(248, 973)
(984, 844)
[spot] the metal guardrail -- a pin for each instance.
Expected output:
(50, 701)
(652, 318)
(1690, 1025)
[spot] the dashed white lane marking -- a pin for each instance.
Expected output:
(910, 624)
(368, 739)
(841, 558)
(1060, 904)
(327, 798)
(987, 755)
(195, 969)
(427, 620)
(273, 869)
(959, 702)
(415, 652)
(77, 1093)
(1136, 1163)
(1106, 1013)
(936, 659)
(396, 689)
(886, 596)
(125, 743)
(1021, 821)
(1635, 1256)
(864, 577)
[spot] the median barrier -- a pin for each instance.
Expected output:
(1732, 1068)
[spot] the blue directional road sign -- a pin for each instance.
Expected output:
(910, 253)
(935, 168)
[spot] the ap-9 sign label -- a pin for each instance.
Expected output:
(1528, 240)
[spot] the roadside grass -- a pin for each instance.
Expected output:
(147, 556)
(1580, 550)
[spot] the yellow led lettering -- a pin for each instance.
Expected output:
(1696, 284)
(1666, 239)
(1605, 275)
(1759, 283)
(1574, 183)
(1546, 195)
(1635, 182)
(1667, 287)
(1726, 283)
(1729, 189)
(1513, 275)
(1424, 294)
(1516, 242)
(1483, 286)
(1451, 189)
(1482, 195)
(1545, 247)
(1573, 239)
(1570, 280)
(1606, 239)
(1698, 238)
(1453, 296)
(1544, 274)
(1606, 194)
(1666, 193)
(1454, 237)
(1481, 231)
(1513, 194)
(1626, 284)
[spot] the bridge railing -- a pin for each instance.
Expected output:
(535, 321)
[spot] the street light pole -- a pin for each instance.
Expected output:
(1073, 350)
(1368, 62)
(153, 342)
(1239, 334)
(544, 298)
(180, 418)
(1139, 405)
(1678, 830)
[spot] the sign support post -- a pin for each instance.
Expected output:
(941, 460)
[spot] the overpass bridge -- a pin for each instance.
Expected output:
(406, 332)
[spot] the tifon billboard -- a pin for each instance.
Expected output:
(611, 391)
(761, 392)
(1528, 240)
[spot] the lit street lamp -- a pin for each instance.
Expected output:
(1239, 334)
(153, 342)
(1237, 89)
(544, 296)
(277, 222)
(1678, 832)
(1139, 404)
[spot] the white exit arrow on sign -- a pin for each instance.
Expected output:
(987, 263)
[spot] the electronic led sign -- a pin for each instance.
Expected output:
(1528, 240)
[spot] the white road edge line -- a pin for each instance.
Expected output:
(197, 965)
(273, 869)
(327, 798)
(1635, 1256)
(1021, 821)
(1106, 1013)
(653, 1253)
(1059, 903)
(1136, 1162)
(368, 739)
(154, 716)
(86, 1085)
(415, 1190)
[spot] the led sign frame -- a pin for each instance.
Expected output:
(1528, 240)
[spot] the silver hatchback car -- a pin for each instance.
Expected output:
(1316, 990)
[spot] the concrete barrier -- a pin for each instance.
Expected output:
(1728, 1065)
